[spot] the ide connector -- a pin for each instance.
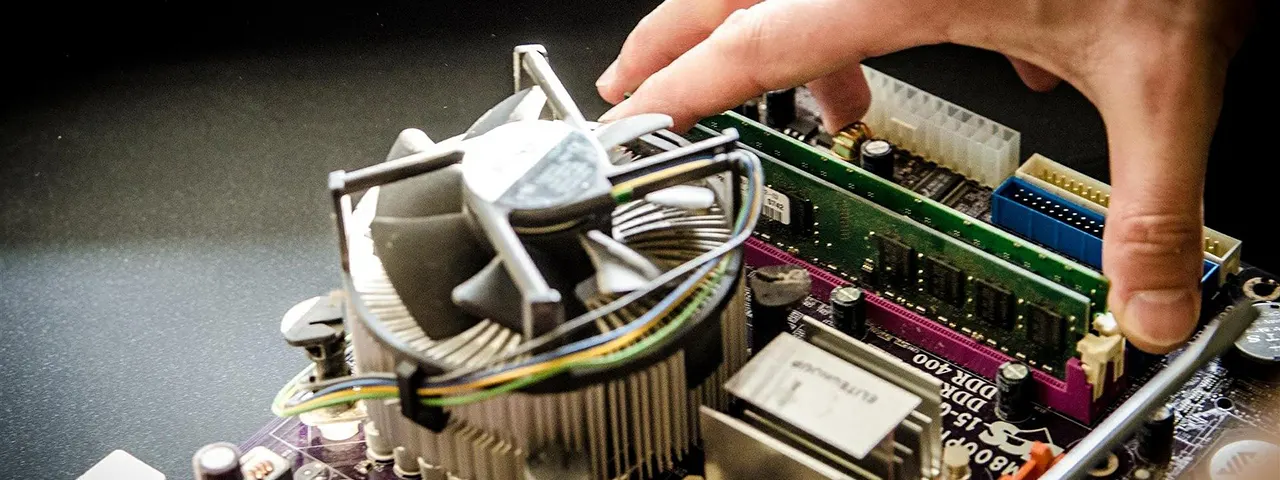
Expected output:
(826, 406)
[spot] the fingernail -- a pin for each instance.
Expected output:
(1159, 319)
(613, 113)
(609, 76)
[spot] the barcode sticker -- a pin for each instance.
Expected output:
(777, 206)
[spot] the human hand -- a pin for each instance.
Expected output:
(1154, 69)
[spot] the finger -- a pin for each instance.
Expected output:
(775, 45)
(661, 37)
(843, 96)
(1153, 243)
(1035, 77)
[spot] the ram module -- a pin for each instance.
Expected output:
(932, 213)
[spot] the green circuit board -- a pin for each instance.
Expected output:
(896, 198)
(955, 283)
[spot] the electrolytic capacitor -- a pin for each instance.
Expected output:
(780, 108)
(876, 157)
(1013, 391)
(848, 310)
(217, 461)
(775, 291)
(1155, 439)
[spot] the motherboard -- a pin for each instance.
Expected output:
(914, 251)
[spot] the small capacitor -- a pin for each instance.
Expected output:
(1155, 438)
(780, 108)
(848, 310)
(955, 460)
(876, 157)
(1013, 391)
(217, 461)
(775, 291)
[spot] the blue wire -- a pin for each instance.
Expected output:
(739, 225)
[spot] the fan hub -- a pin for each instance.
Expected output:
(533, 165)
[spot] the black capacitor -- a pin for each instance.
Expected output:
(1013, 392)
(876, 157)
(848, 310)
(217, 461)
(1155, 438)
(780, 108)
(775, 291)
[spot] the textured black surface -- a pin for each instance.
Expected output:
(162, 184)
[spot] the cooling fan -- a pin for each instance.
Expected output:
(539, 297)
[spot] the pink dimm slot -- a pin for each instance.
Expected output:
(1072, 397)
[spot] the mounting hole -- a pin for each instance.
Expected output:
(1106, 466)
(1264, 289)
(1224, 403)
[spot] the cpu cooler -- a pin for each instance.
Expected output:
(539, 297)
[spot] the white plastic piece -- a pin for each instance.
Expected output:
(941, 131)
(1106, 324)
(683, 196)
(1096, 353)
(1092, 194)
(377, 447)
(406, 463)
(119, 464)
(338, 431)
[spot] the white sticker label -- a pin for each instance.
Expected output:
(831, 399)
(777, 206)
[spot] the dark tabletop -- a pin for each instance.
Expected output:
(163, 190)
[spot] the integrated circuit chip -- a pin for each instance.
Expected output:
(993, 305)
(943, 281)
(938, 184)
(1045, 327)
(971, 199)
(788, 209)
(896, 262)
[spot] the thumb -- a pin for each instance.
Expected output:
(1158, 123)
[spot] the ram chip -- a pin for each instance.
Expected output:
(795, 212)
(802, 129)
(938, 184)
(896, 263)
(910, 170)
(993, 305)
(971, 199)
(1045, 327)
(943, 281)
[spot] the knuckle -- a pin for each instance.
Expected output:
(1156, 235)
(746, 36)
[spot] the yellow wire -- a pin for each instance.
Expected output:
(630, 185)
(598, 350)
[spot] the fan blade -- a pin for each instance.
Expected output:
(619, 269)
(520, 106)
(490, 293)
(424, 258)
(434, 193)
(630, 128)
(683, 196)
(409, 142)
